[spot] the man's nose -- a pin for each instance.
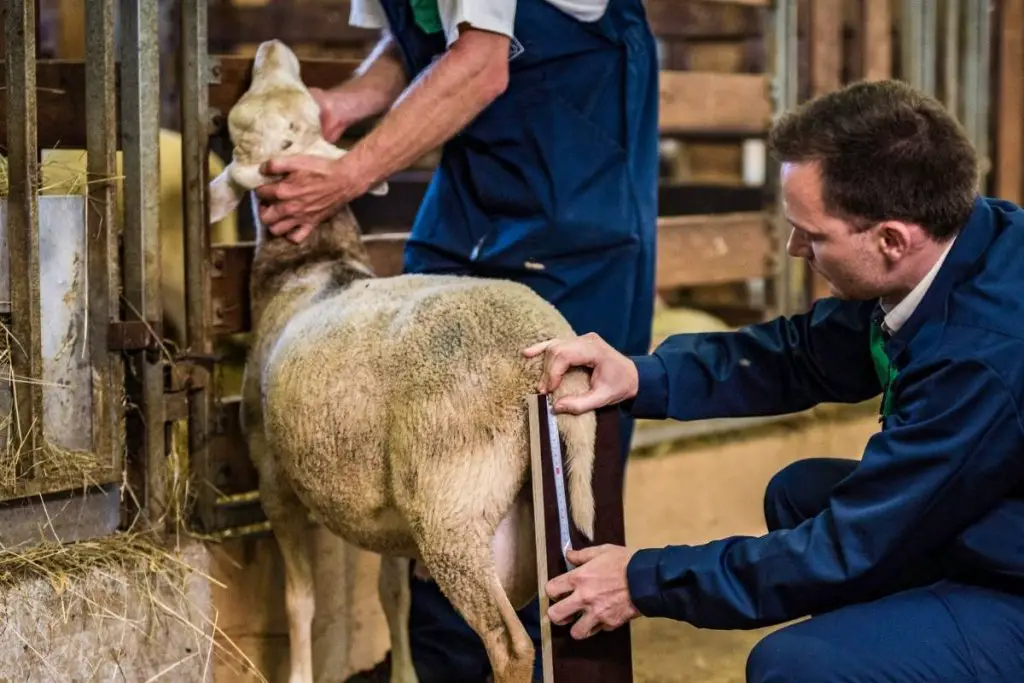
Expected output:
(797, 246)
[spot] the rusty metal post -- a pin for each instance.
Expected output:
(101, 250)
(976, 74)
(195, 126)
(785, 290)
(23, 226)
(140, 112)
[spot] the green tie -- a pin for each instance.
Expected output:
(883, 368)
(426, 14)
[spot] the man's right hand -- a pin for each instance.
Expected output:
(333, 118)
(613, 380)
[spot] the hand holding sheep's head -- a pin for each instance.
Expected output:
(276, 117)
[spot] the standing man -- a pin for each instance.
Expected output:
(547, 111)
(910, 561)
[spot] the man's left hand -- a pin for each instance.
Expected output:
(597, 589)
(311, 191)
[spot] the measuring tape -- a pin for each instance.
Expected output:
(556, 465)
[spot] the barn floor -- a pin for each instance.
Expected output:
(706, 491)
(668, 652)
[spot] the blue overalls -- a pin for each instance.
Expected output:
(553, 185)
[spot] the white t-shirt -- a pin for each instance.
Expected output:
(489, 15)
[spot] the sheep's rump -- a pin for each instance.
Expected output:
(397, 386)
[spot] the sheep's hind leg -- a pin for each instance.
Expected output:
(288, 519)
(460, 561)
(396, 600)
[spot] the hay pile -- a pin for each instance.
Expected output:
(117, 608)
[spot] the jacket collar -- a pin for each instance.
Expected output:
(971, 243)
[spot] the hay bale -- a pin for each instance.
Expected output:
(118, 608)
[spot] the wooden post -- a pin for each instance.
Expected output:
(606, 656)
(876, 40)
(1009, 147)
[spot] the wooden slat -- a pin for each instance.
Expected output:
(1010, 96)
(691, 101)
(703, 250)
(325, 22)
(876, 39)
(826, 46)
(714, 103)
(309, 21)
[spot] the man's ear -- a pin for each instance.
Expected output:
(896, 239)
(224, 195)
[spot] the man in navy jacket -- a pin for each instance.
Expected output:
(910, 561)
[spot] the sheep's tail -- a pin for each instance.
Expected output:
(579, 434)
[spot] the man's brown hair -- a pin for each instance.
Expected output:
(887, 151)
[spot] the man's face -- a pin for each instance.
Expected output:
(850, 261)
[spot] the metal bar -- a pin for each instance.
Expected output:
(23, 227)
(101, 250)
(140, 111)
(786, 286)
(929, 47)
(917, 42)
(194, 79)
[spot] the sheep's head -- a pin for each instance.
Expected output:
(277, 116)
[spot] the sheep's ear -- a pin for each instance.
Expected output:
(379, 190)
(224, 195)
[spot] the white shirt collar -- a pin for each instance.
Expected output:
(901, 312)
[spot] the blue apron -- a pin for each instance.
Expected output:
(554, 185)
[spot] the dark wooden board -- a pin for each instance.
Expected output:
(607, 655)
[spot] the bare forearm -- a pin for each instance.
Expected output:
(436, 106)
(376, 84)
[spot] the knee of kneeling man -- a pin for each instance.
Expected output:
(786, 657)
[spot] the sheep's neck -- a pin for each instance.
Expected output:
(334, 248)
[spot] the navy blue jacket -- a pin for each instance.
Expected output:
(942, 478)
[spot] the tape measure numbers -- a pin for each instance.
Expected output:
(557, 468)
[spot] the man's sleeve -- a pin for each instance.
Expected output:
(781, 366)
(497, 16)
(951, 455)
(367, 14)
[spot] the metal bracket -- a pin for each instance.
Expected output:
(213, 69)
(175, 406)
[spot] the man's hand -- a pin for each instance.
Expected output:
(311, 191)
(614, 378)
(597, 589)
(334, 116)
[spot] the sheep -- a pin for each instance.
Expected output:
(393, 409)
